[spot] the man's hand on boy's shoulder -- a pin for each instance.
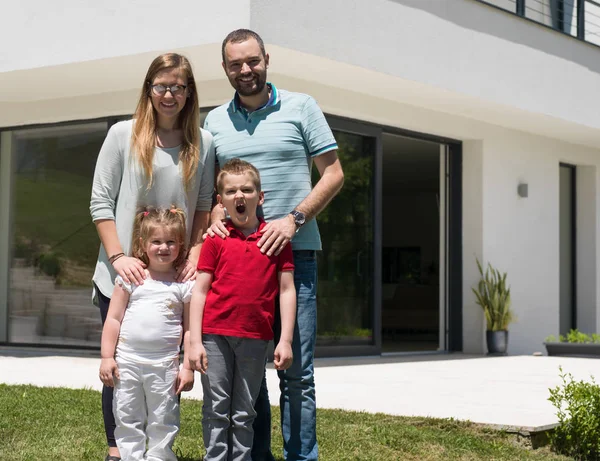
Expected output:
(276, 235)
(216, 229)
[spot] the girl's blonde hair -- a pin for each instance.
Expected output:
(143, 139)
(147, 220)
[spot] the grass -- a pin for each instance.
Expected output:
(66, 424)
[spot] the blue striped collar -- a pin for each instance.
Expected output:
(273, 100)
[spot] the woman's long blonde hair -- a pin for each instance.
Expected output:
(143, 139)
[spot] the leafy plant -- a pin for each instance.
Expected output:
(493, 295)
(49, 263)
(578, 411)
(575, 336)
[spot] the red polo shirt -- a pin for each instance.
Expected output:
(241, 299)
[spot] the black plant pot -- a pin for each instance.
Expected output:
(497, 342)
(573, 349)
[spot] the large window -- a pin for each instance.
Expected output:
(345, 285)
(54, 244)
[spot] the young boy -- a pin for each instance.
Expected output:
(231, 316)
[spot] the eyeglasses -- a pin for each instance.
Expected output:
(161, 90)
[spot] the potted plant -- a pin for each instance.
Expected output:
(493, 295)
(574, 344)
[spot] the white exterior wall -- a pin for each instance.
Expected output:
(461, 45)
(69, 31)
(521, 234)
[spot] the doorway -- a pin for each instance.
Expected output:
(413, 223)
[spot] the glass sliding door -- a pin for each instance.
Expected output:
(54, 244)
(413, 245)
(346, 264)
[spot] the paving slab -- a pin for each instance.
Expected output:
(510, 392)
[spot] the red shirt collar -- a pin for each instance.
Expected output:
(234, 230)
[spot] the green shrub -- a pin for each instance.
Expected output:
(575, 336)
(49, 263)
(578, 411)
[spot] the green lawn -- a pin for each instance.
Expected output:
(65, 424)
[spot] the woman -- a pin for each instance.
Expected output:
(161, 158)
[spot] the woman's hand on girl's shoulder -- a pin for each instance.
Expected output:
(131, 270)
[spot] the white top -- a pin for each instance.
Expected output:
(120, 187)
(151, 330)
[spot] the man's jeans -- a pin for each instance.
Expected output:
(298, 404)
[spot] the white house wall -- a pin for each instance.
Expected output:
(521, 235)
(460, 57)
(40, 33)
(462, 46)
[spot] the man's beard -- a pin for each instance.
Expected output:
(243, 90)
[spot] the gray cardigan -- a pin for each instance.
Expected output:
(119, 188)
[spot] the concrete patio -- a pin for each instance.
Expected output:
(508, 392)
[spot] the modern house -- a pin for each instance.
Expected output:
(467, 129)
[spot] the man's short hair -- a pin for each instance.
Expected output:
(241, 35)
(238, 167)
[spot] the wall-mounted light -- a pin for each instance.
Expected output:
(523, 190)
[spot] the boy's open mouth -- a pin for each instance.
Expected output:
(240, 208)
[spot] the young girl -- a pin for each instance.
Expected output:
(141, 338)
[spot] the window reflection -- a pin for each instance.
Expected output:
(345, 284)
(54, 242)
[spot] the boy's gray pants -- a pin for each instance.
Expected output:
(231, 384)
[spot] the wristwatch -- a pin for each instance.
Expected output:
(299, 219)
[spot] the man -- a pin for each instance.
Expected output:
(281, 133)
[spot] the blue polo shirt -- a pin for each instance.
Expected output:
(280, 139)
